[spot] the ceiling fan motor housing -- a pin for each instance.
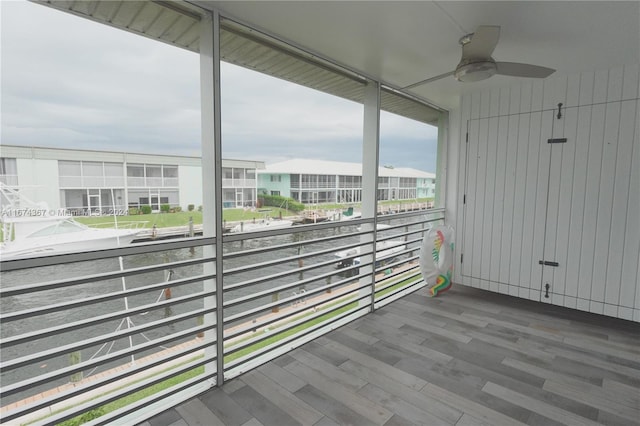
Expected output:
(475, 71)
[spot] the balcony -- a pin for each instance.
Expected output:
(159, 182)
(302, 342)
(239, 183)
(137, 326)
(469, 357)
(209, 330)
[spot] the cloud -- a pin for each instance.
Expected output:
(69, 82)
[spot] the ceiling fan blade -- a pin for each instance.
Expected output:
(428, 80)
(523, 70)
(482, 43)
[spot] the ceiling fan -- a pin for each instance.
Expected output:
(477, 64)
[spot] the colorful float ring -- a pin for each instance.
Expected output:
(436, 259)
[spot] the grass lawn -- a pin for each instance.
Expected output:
(163, 220)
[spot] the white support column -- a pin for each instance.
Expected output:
(442, 165)
(370, 149)
(212, 178)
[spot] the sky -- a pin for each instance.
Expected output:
(68, 82)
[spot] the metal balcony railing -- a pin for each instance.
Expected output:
(125, 333)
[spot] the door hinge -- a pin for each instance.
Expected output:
(546, 290)
(464, 199)
(557, 140)
(467, 137)
(461, 257)
(548, 263)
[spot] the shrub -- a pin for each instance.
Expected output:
(281, 202)
(178, 208)
(133, 211)
(199, 208)
(146, 209)
(84, 418)
(190, 207)
(164, 208)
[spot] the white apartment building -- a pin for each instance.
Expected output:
(101, 182)
(315, 181)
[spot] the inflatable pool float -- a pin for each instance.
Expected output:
(436, 259)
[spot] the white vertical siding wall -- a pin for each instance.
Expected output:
(190, 186)
(577, 203)
(39, 180)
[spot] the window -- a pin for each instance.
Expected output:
(91, 168)
(275, 192)
(170, 171)
(70, 174)
(153, 171)
(135, 170)
(8, 171)
(69, 168)
(113, 169)
(276, 178)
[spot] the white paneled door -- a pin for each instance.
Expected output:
(551, 206)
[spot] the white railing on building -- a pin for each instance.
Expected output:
(10, 180)
(135, 181)
(87, 329)
(153, 181)
(239, 183)
(313, 185)
(169, 182)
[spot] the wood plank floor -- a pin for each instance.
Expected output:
(469, 357)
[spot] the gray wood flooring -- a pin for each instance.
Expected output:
(468, 357)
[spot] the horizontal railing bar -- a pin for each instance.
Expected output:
(114, 396)
(407, 250)
(260, 250)
(408, 220)
(382, 285)
(294, 323)
(240, 331)
(279, 261)
(252, 326)
(94, 384)
(398, 263)
(413, 270)
(282, 274)
(48, 332)
(268, 306)
(34, 312)
(232, 237)
(87, 343)
(297, 283)
(108, 419)
(384, 237)
(59, 259)
(382, 298)
(401, 215)
(51, 285)
(96, 362)
(295, 244)
(287, 340)
(240, 236)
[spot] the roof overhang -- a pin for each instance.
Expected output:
(178, 24)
